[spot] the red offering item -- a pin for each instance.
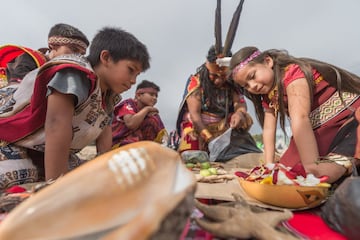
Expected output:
(15, 189)
(279, 174)
(308, 225)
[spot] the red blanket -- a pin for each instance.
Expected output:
(308, 225)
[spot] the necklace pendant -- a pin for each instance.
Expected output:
(275, 107)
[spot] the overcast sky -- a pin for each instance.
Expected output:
(178, 33)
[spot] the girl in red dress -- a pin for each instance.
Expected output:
(320, 100)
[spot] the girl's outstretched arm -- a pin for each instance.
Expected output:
(269, 130)
(299, 109)
(58, 133)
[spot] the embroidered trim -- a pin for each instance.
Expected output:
(65, 41)
(331, 108)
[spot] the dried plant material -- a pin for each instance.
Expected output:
(215, 178)
(240, 220)
(215, 173)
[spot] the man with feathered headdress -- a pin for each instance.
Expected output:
(211, 104)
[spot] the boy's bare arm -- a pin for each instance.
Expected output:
(58, 134)
(104, 141)
(133, 121)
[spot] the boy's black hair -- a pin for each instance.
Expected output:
(120, 44)
(68, 31)
(148, 84)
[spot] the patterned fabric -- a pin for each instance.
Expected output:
(192, 84)
(174, 140)
(3, 80)
(6, 99)
(192, 231)
(16, 167)
(328, 116)
(9, 52)
(22, 127)
(329, 109)
(27, 115)
(190, 139)
(212, 116)
(151, 128)
(18, 61)
(64, 41)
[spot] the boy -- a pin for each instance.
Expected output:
(137, 119)
(71, 106)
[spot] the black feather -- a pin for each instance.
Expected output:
(232, 29)
(218, 39)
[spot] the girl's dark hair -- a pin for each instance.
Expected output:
(339, 78)
(120, 44)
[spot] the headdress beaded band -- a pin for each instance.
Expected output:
(246, 61)
(59, 41)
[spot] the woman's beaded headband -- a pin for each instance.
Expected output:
(246, 61)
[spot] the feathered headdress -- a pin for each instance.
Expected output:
(223, 52)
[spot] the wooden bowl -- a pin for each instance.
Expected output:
(286, 196)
